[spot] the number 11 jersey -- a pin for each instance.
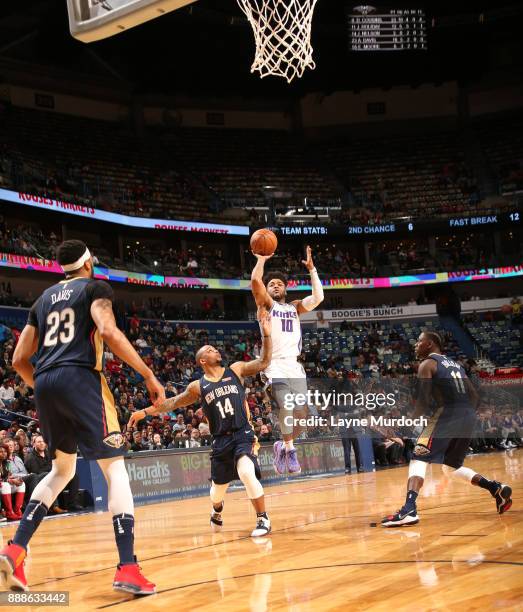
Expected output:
(67, 334)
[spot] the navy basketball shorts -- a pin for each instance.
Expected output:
(446, 438)
(225, 452)
(76, 410)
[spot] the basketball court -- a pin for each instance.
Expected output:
(323, 553)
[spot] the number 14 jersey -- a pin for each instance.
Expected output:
(223, 403)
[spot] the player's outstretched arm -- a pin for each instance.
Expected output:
(311, 301)
(25, 349)
(103, 316)
(191, 395)
(250, 368)
(259, 291)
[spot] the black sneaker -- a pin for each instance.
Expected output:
(502, 497)
(216, 519)
(401, 518)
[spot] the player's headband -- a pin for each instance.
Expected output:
(78, 263)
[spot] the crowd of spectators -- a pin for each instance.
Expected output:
(25, 460)
(386, 258)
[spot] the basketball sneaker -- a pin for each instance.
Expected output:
(405, 516)
(216, 518)
(293, 465)
(263, 527)
(502, 497)
(280, 458)
(12, 559)
(129, 578)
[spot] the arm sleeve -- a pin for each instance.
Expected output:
(311, 301)
(32, 319)
(99, 289)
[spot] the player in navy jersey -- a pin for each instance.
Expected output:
(67, 328)
(234, 445)
(446, 438)
(285, 373)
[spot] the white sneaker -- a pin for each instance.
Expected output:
(263, 527)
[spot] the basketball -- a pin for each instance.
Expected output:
(264, 242)
(506, 309)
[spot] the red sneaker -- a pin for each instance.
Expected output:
(130, 579)
(12, 574)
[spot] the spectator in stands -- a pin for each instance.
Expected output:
(180, 423)
(38, 461)
(321, 323)
(265, 434)
(194, 440)
(138, 444)
(10, 485)
(192, 266)
(141, 342)
(7, 393)
(156, 442)
(23, 442)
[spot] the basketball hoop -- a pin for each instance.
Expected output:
(282, 33)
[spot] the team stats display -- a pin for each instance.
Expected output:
(395, 29)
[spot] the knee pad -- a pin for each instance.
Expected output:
(217, 492)
(463, 473)
(417, 468)
(247, 475)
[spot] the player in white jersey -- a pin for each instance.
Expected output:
(285, 374)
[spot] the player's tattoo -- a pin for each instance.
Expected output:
(104, 304)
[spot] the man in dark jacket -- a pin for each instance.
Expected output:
(38, 461)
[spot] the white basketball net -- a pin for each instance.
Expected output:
(282, 32)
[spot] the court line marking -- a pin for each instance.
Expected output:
(302, 569)
(463, 535)
(281, 530)
(185, 550)
(231, 541)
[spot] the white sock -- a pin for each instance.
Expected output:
(289, 445)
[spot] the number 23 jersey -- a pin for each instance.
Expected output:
(67, 334)
(223, 403)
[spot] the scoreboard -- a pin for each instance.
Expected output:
(373, 29)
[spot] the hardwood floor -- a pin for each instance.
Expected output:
(323, 553)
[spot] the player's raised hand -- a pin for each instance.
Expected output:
(156, 391)
(308, 263)
(263, 258)
(264, 317)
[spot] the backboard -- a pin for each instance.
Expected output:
(91, 20)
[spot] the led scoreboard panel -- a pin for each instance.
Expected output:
(373, 29)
